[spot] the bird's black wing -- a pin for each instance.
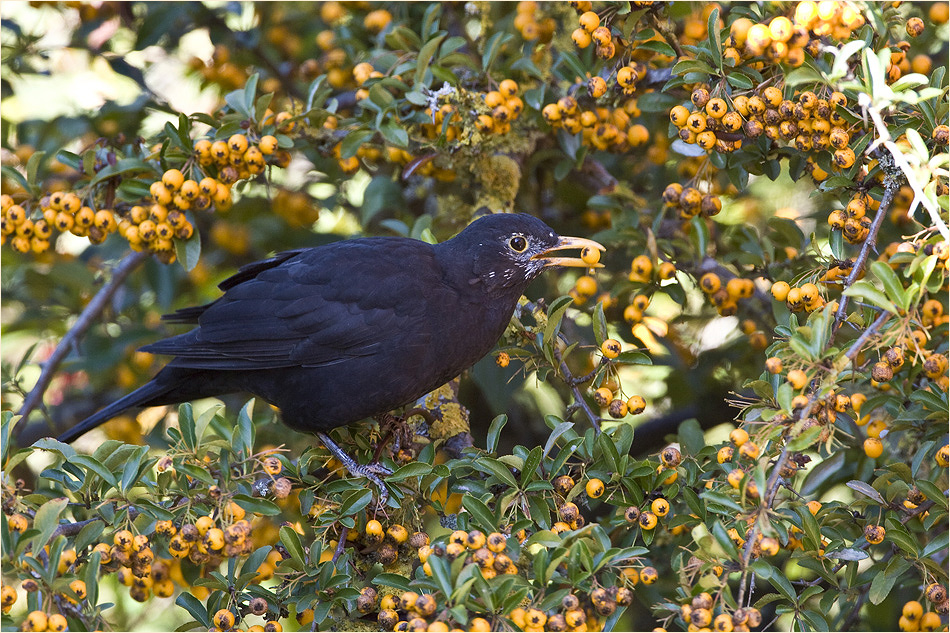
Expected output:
(315, 307)
(249, 271)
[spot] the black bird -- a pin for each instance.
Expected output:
(338, 333)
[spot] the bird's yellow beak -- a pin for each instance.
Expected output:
(590, 253)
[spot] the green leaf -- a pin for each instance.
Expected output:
(197, 472)
(257, 505)
(864, 290)
(123, 166)
(600, 323)
(89, 534)
(317, 93)
(410, 471)
(33, 165)
(897, 533)
(425, 56)
(802, 75)
(685, 66)
(91, 577)
(244, 431)
(291, 542)
(555, 313)
(804, 439)
(778, 580)
(356, 501)
(657, 46)
(809, 526)
(715, 44)
(479, 512)
(441, 574)
(881, 586)
(694, 503)
(739, 80)
(865, 489)
(932, 491)
(353, 140)
(892, 285)
(531, 462)
(394, 134)
(560, 429)
(186, 423)
(132, 469)
(255, 560)
(493, 48)
(193, 606)
(16, 176)
(496, 468)
(47, 520)
(380, 194)
(691, 436)
(494, 432)
(391, 580)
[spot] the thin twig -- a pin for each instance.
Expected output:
(855, 348)
(87, 317)
(578, 396)
(668, 35)
(340, 544)
(891, 185)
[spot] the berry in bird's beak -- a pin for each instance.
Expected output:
(590, 253)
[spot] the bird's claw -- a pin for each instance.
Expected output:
(376, 469)
(372, 471)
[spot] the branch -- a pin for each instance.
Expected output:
(579, 401)
(866, 334)
(87, 317)
(891, 185)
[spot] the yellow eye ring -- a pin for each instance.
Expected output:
(518, 244)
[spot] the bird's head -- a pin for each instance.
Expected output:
(508, 250)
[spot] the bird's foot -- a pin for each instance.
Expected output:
(374, 471)
(400, 431)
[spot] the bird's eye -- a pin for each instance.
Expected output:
(518, 244)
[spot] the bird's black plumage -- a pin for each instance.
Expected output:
(338, 333)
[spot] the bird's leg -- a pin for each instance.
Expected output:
(370, 471)
(385, 421)
(399, 430)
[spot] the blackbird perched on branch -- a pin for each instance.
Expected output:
(338, 333)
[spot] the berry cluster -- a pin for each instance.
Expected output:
(726, 297)
(829, 18)
(153, 225)
(691, 202)
(603, 128)
(810, 124)
(699, 614)
(913, 617)
(528, 24)
(503, 105)
(604, 396)
(807, 297)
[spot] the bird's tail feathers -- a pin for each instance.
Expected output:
(138, 398)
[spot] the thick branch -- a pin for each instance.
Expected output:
(88, 316)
